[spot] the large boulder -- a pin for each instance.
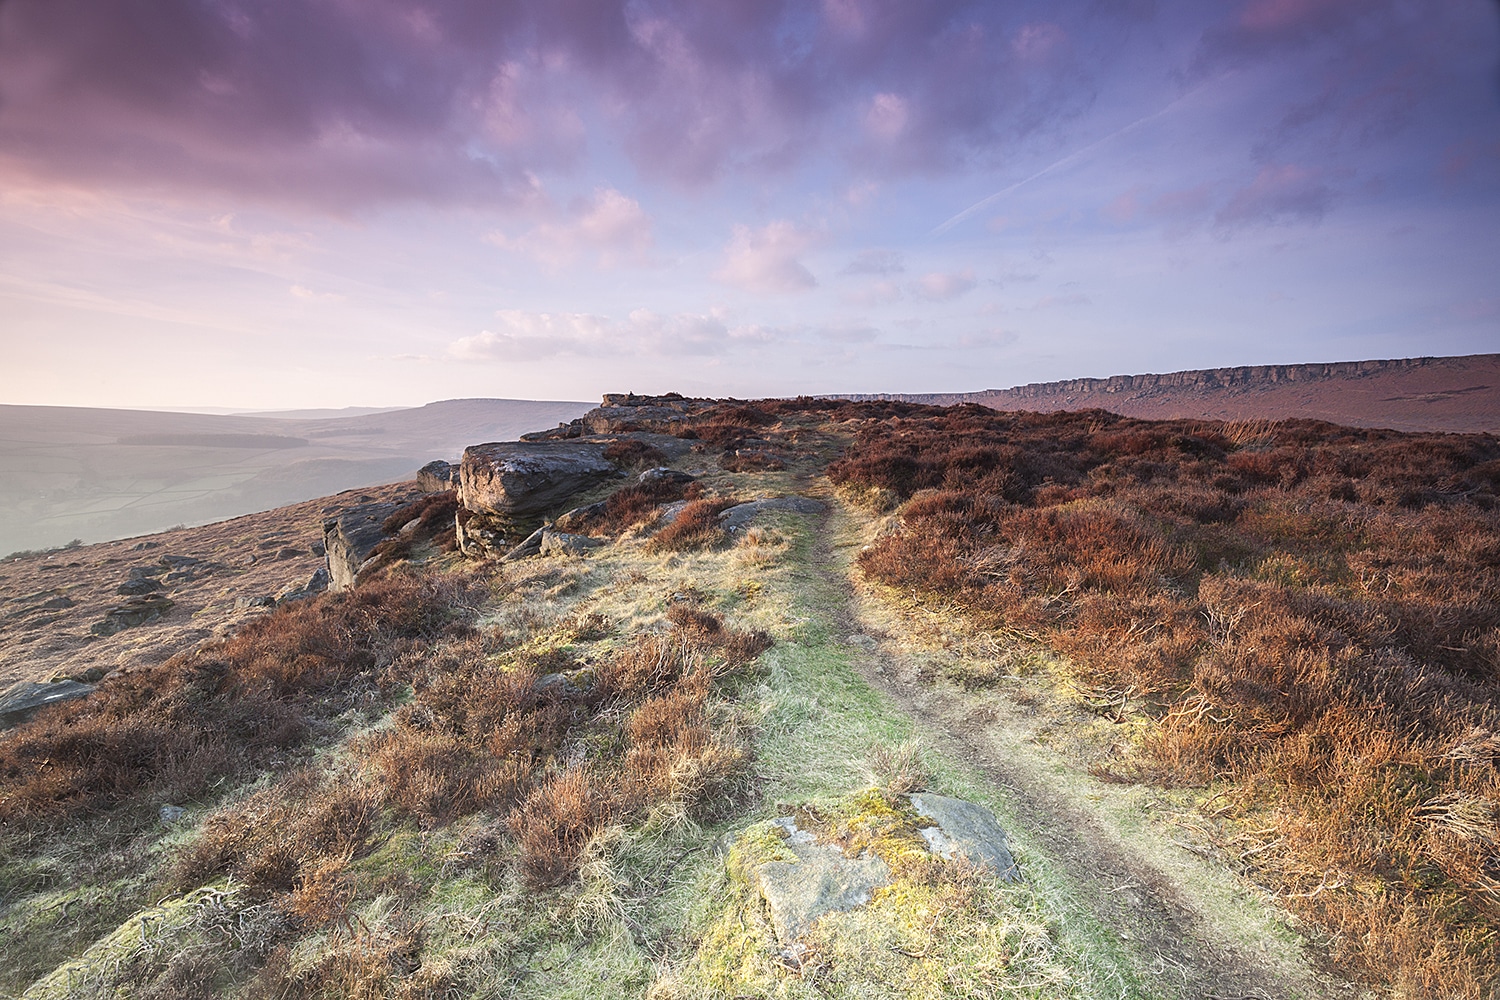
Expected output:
(624, 412)
(350, 538)
(514, 485)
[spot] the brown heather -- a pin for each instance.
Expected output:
(168, 732)
(1309, 613)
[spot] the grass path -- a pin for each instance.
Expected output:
(1143, 914)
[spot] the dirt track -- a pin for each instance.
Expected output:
(1131, 882)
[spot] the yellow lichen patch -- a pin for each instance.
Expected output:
(941, 927)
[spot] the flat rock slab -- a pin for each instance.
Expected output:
(966, 828)
(820, 881)
(561, 543)
(19, 702)
(525, 480)
(349, 538)
(739, 517)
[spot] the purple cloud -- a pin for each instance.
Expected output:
(1284, 193)
(340, 106)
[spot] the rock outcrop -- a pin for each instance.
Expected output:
(136, 611)
(437, 476)
(350, 538)
(513, 485)
(627, 412)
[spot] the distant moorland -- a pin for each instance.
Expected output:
(98, 474)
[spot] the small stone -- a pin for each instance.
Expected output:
(738, 517)
(821, 881)
(170, 814)
(136, 611)
(966, 828)
(662, 474)
(21, 701)
(251, 603)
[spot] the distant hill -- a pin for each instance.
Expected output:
(1408, 394)
(100, 474)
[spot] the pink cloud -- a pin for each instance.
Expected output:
(765, 260)
(939, 286)
(521, 336)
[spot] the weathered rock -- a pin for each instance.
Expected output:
(555, 543)
(479, 535)
(251, 603)
(820, 881)
(169, 814)
(437, 476)
(21, 701)
(739, 517)
(530, 546)
(315, 585)
(138, 586)
(966, 828)
(349, 539)
(520, 482)
(135, 611)
(653, 477)
(179, 562)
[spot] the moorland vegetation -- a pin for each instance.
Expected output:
(465, 777)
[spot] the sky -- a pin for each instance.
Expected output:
(298, 203)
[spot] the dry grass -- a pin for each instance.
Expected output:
(1310, 613)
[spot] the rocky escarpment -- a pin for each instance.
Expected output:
(1416, 394)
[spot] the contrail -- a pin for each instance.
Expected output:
(1078, 154)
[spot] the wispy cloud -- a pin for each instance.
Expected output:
(519, 335)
